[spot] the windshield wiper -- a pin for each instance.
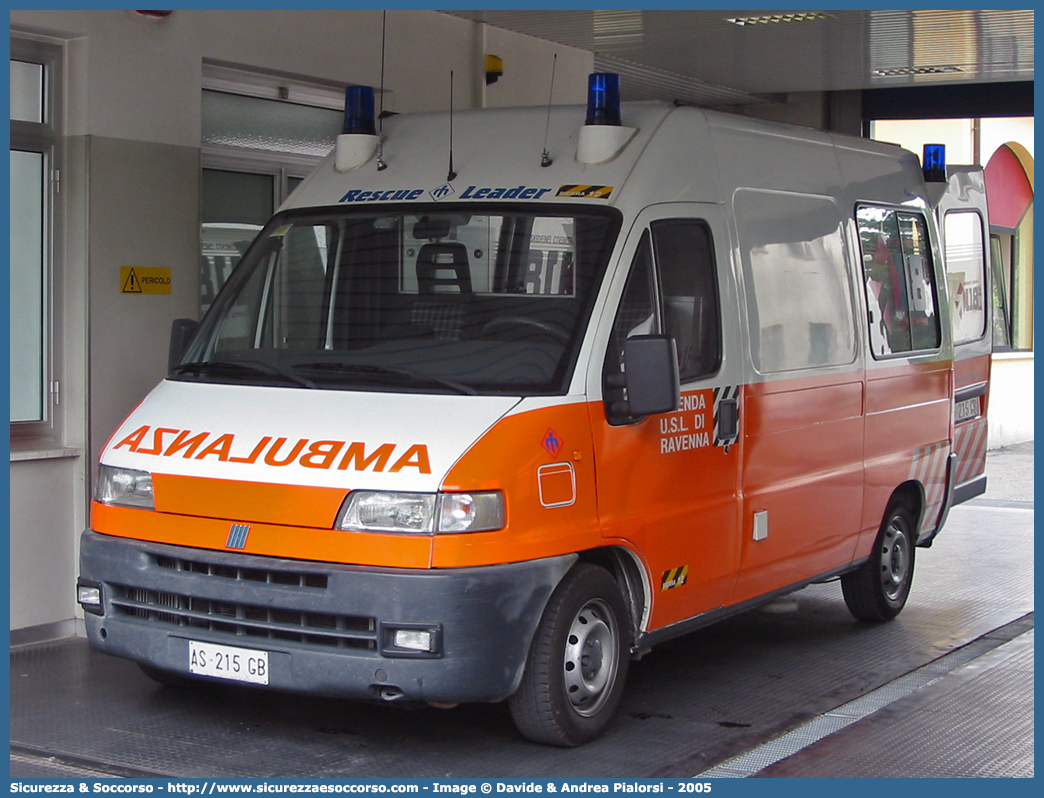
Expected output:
(414, 376)
(242, 366)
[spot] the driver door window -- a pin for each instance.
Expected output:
(672, 289)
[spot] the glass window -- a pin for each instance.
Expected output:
(232, 120)
(966, 274)
(468, 299)
(27, 91)
(236, 206)
(685, 261)
(28, 268)
(800, 312)
(671, 289)
(900, 288)
(32, 163)
(256, 152)
(1000, 259)
(637, 314)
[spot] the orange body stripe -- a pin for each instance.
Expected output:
(248, 502)
(270, 540)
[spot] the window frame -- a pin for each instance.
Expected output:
(646, 246)
(283, 168)
(44, 138)
(764, 214)
(985, 242)
(932, 270)
(658, 258)
(286, 169)
(585, 297)
(1002, 265)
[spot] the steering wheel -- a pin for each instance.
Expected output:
(504, 322)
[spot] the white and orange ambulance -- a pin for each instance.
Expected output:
(482, 420)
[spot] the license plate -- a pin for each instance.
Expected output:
(228, 662)
(969, 408)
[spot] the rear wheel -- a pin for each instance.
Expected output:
(878, 590)
(577, 663)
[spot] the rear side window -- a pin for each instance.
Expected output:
(966, 274)
(901, 297)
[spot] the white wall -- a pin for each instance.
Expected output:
(1000, 131)
(913, 134)
(957, 135)
(144, 211)
(140, 78)
(528, 64)
(1011, 407)
(131, 197)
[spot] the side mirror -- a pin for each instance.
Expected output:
(651, 375)
(181, 332)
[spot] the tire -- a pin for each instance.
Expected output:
(577, 663)
(878, 590)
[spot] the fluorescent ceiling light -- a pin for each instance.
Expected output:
(924, 70)
(774, 19)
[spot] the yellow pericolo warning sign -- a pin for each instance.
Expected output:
(676, 577)
(144, 280)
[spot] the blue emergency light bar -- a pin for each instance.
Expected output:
(603, 99)
(933, 163)
(358, 111)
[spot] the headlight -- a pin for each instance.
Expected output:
(471, 512)
(124, 487)
(369, 511)
(421, 513)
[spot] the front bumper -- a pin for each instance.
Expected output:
(327, 627)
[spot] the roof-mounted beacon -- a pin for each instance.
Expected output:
(603, 137)
(358, 141)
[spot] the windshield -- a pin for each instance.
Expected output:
(437, 299)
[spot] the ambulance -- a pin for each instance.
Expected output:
(501, 399)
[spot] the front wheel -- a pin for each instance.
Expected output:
(577, 663)
(878, 590)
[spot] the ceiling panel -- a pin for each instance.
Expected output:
(734, 57)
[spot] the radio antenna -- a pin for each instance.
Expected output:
(381, 165)
(545, 159)
(451, 174)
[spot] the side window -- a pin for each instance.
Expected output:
(637, 312)
(671, 289)
(966, 274)
(900, 290)
(1000, 265)
(685, 260)
(797, 280)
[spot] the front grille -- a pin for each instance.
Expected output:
(233, 618)
(263, 575)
